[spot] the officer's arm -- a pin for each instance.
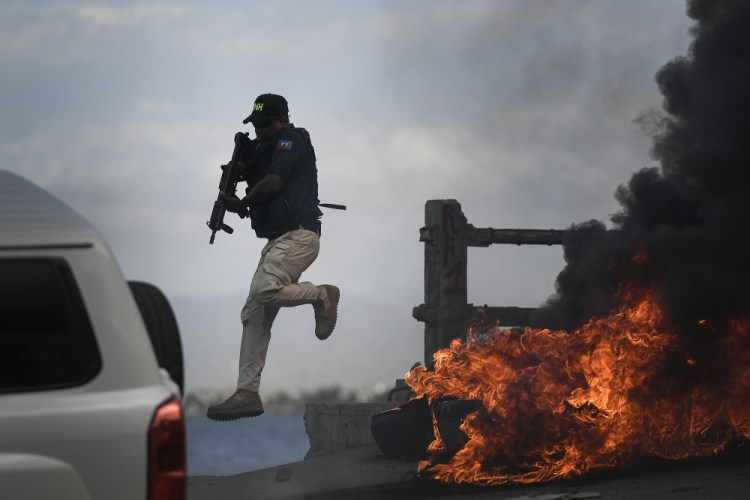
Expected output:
(264, 190)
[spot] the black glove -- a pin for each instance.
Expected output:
(232, 203)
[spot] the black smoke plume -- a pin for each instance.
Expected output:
(690, 215)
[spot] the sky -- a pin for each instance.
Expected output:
(530, 113)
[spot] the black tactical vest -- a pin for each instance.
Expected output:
(289, 153)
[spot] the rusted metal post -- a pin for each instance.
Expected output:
(486, 236)
(445, 310)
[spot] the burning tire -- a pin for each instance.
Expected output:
(404, 431)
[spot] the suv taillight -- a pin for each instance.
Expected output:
(166, 453)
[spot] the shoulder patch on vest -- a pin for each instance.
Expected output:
(284, 144)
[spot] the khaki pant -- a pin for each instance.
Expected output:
(275, 284)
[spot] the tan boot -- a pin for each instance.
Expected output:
(243, 403)
(325, 317)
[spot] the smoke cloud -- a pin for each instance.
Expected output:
(682, 230)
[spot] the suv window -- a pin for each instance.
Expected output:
(46, 339)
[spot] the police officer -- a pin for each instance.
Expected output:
(282, 199)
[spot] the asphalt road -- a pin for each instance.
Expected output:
(364, 473)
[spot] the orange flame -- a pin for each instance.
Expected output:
(558, 404)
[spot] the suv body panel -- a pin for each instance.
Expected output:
(91, 440)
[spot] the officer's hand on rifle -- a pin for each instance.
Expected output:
(232, 203)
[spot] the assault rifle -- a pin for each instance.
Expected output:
(231, 174)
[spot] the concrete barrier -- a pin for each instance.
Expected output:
(333, 427)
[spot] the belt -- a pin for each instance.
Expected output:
(275, 234)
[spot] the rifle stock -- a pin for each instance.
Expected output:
(231, 174)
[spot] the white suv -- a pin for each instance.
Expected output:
(90, 365)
